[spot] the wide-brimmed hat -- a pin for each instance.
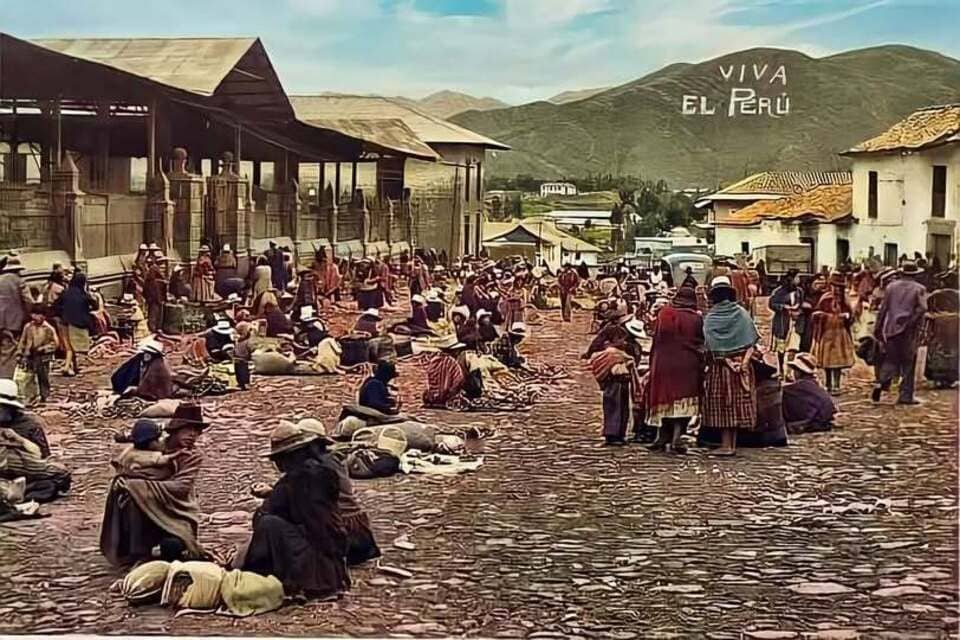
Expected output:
(315, 426)
(10, 393)
(433, 296)
(635, 328)
(142, 247)
(885, 274)
(187, 415)
(150, 345)
(450, 343)
(307, 313)
(223, 327)
(518, 329)
(836, 279)
(288, 436)
(462, 310)
(153, 247)
(483, 313)
(13, 265)
(806, 362)
(419, 299)
(145, 430)
(910, 268)
(371, 312)
(127, 300)
(204, 249)
(439, 267)
(686, 297)
(226, 248)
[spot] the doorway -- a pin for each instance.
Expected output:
(940, 248)
(843, 250)
(890, 258)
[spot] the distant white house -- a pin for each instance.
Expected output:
(906, 187)
(548, 189)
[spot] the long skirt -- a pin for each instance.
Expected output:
(362, 545)
(282, 549)
(729, 398)
(566, 305)
(616, 406)
(771, 429)
(127, 534)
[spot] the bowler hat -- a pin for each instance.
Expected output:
(288, 436)
(910, 268)
(187, 415)
(144, 431)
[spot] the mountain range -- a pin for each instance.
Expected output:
(711, 122)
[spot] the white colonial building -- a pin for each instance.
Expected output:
(906, 187)
(784, 207)
(548, 189)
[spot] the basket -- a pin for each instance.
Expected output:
(388, 438)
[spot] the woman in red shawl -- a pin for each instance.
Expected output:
(203, 277)
(676, 370)
(832, 341)
(326, 277)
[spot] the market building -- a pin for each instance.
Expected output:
(446, 197)
(539, 241)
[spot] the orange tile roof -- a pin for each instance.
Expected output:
(784, 183)
(828, 203)
(927, 127)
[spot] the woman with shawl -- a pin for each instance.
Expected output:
(676, 370)
(326, 275)
(419, 278)
(784, 302)
(832, 343)
(141, 514)
(729, 400)
(614, 368)
(75, 307)
(203, 277)
(940, 334)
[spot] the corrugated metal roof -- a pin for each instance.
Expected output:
(197, 65)
(827, 203)
(926, 127)
(391, 134)
(428, 128)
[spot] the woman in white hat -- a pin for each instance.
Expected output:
(369, 323)
(218, 338)
(297, 534)
(445, 375)
(13, 415)
(203, 282)
(505, 349)
(729, 401)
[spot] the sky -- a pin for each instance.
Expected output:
(514, 50)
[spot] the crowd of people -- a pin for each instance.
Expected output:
(669, 355)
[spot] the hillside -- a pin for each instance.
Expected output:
(638, 128)
(444, 104)
(572, 96)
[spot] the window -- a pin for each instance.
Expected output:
(745, 248)
(138, 174)
(872, 194)
(246, 170)
(939, 191)
(206, 167)
(266, 175)
(890, 254)
(843, 250)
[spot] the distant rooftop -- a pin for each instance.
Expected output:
(826, 203)
(770, 185)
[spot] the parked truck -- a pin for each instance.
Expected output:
(778, 259)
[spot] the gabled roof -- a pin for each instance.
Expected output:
(927, 127)
(428, 128)
(770, 185)
(235, 71)
(389, 134)
(827, 203)
(530, 230)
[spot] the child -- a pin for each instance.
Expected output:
(38, 342)
(145, 459)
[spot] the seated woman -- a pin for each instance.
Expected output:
(147, 372)
(310, 331)
(417, 324)
(298, 535)
(375, 391)
(445, 375)
(141, 514)
(369, 323)
(278, 324)
(807, 407)
(505, 348)
(217, 339)
(486, 331)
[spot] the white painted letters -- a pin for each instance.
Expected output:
(743, 100)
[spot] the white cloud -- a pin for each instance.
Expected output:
(533, 14)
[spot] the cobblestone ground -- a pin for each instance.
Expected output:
(849, 532)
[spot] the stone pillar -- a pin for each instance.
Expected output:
(227, 215)
(68, 209)
(186, 193)
(158, 226)
(407, 209)
(390, 239)
(360, 205)
(291, 221)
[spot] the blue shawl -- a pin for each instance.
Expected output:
(728, 328)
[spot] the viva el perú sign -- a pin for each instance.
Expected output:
(744, 99)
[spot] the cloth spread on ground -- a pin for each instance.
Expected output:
(438, 464)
